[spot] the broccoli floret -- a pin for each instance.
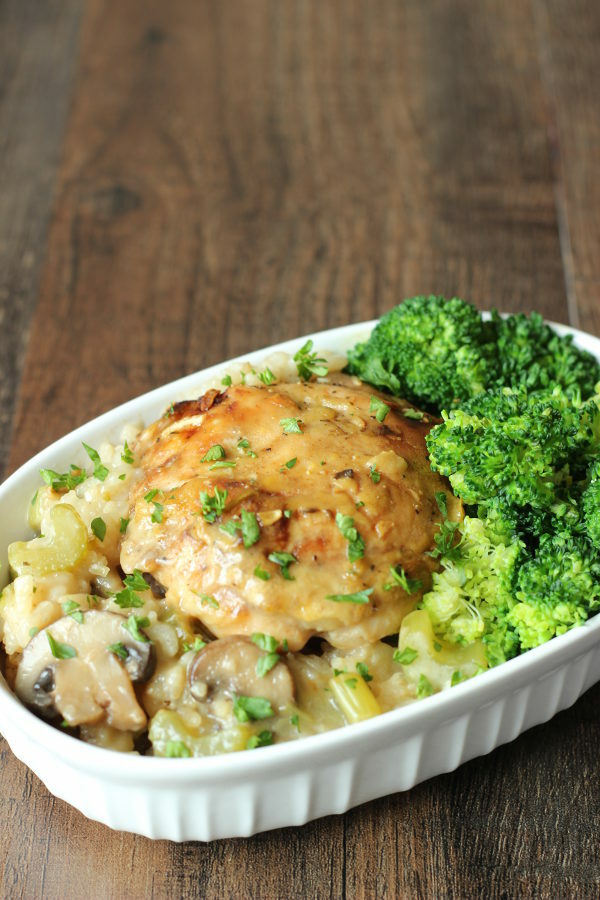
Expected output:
(532, 355)
(590, 502)
(516, 451)
(430, 350)
(472, 596)
(556, 589)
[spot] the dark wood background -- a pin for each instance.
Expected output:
(185, 181)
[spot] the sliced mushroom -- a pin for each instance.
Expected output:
(82, 671)
(228, 666)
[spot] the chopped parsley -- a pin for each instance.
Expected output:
(33, 631)
(444, 542)
(295, 721)
(214, 452)
(309, 364)
(177, 750)
(149, 497)
(157, 512)
(226, 380)
(133, 625)
(72, 608)
(406, 656)
(424, 687)
(98, 527)
(267, 376)
(442, 502)
(411, 413)
(136, 582)
(375, 475)
(127, 455)
(379, 408)
(207, 600)
(291, 426)
(198, 644)
(65, 482)
(291, 463)
(457, 677)
(60, 651)
(223, 464)
(123, 523)
(250, 528)
(261, 573)
(358, 597)
(363, 670)
(265, 641)
(400, 579)
(351, 682)
(213, 506)
(246, 709)
(284, 560)
(119, 649)
(356, 545)
(266, 663)
(100, 470)
(262, 739)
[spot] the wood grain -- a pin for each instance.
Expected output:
(235, 174)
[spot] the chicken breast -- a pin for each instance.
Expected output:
(281, 509)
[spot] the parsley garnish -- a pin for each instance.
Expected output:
(424, 687)
(72, 608)
(356, 545)
(100, 470)
(291, 426)
(351, 682)
(98, 527)
(223, 464)
(358, 597)
(309, 364)
(444, 542)
(442, 502)
(177, 750)
(247, 708)
(411, 413)
(261, 573)
(457, 677)
(265, 641)
(379, 408)
(133, 625)
(65, 482)
(226, 380)
(136, 582)
(267, 376)
(295, 721)
(119, 649)
(127, 455)
(284, 560)
(400, 579)
(363, 670)
(123, 523)
(262, 739)
(207, 600)
(157, 512)
(214, 452)
(374, 475)
(60, 651)
(406, 656)
(291, 463)
(213, 506)
(198, 644)
(266, 663)
(250, 528)
(149, 497)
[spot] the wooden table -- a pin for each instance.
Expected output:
(185, 181)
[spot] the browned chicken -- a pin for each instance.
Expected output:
(282, 509)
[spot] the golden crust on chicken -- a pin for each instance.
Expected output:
(282, 509)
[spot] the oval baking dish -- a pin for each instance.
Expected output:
(240, 794)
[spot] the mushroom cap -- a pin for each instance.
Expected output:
(92, 682)
(228, 666)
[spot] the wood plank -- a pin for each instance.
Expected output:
(235, 174)
(569, 43)
(37, 49)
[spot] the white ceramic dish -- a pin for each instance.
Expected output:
(288, 784)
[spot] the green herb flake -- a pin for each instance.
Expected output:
(444, 542)
(266, 663)
(177, 750)
(442, 502)
(437, 646)
(33, 631)
(149, 497)
(246, 709)
(123, 523)
(457, 677)
(291, 426)
(65, 482)
(267, 377)
(351, 682)
(226, 380)
(295, 721)
(261, 573)
(405, 657)
(136, 581)
(213, 453)
(122, 477)
(250, 528)
(127, 455)
(291, 463)
(265, 641)
(100, 470)
(363, 670)
(374, 475)
(72, 608)
(208, 600)
(379, 408)
(231, 528)
(223, 464)
(127, 599)
(119, 649)
(309, 364)
(358, 597)
(98, 527)
(411, 413)
(157, 512)
(133, 626)
(356, 545)
(287, 513)
(213, 506)
(359, 503)
(60, 651)
(262, 739)
(34, 498)
(424, 687)
(284, 560)
(198, 644)
(400, 579)
(243, 443)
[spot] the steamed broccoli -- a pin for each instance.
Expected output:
(429, 350)
(531, 354)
